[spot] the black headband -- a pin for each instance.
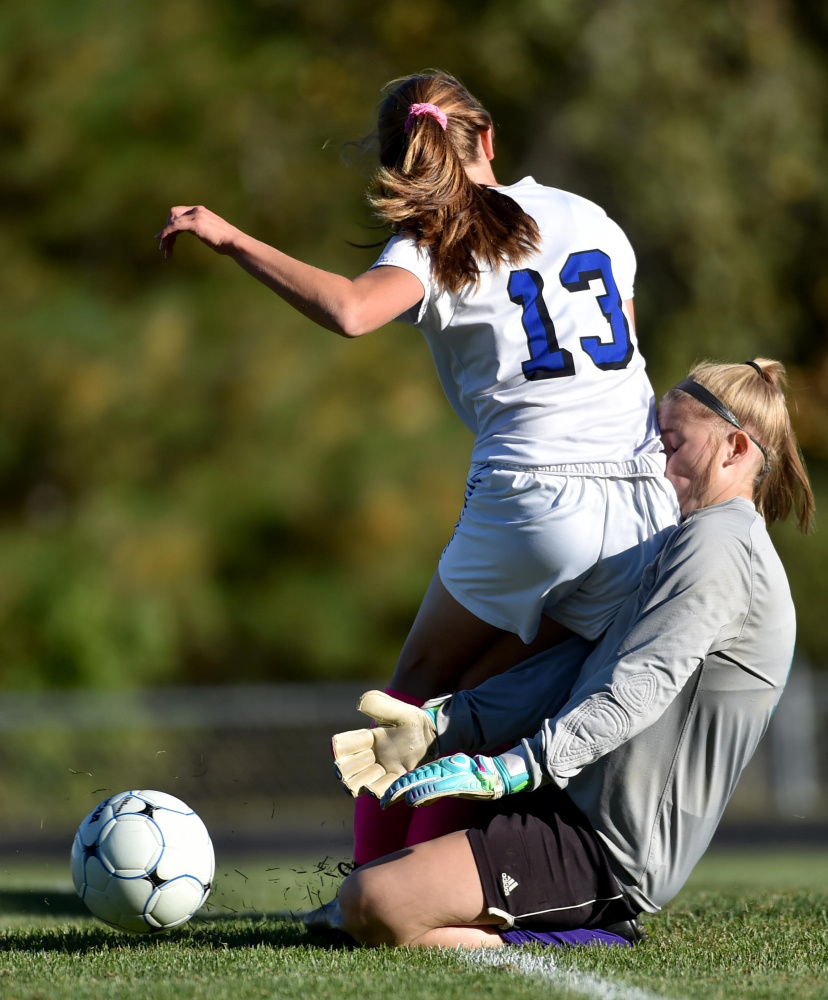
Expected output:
(756, 367)
(706, 397)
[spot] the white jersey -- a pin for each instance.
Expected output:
(541, 362)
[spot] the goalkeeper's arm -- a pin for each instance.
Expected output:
(501, 711)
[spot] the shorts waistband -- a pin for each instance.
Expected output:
(643, 466)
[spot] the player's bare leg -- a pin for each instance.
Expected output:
(406, 899)
(509, 650)
(462, 937)
(447, 644)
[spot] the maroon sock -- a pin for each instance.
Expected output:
(378, 832)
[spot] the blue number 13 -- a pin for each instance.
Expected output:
(546, 358)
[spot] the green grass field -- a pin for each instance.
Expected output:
(748, 925)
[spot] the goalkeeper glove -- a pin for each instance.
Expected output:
(463, 777)
(369, 760)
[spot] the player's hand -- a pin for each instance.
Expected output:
(458, 776)
(369, 760)
(210, 228)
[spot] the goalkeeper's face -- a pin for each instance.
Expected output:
(692, 447)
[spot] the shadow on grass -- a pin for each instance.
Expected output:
(279, 930)
(42, 903)
(216, 931)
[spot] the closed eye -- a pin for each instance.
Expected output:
(671, 444)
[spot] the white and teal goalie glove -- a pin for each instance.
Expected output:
(460, 776)
(369, 760)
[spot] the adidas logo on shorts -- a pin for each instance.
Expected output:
(508, 883)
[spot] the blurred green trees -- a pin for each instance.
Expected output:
(195, 483)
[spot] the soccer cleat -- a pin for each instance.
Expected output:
(631, 930)
(327, 920)
(327, 917)
(344, 868)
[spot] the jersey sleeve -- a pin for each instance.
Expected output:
(697, 603)
(402, 251)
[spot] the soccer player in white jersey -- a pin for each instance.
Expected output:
(631, 769)
(524, 294)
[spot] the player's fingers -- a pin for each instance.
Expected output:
(429, 789)
(354, 781)
(170, 219)
(185, 223)
(350, 765)
(382, 707)
(355, 786)
(400, 786)
(178, 218)
(392, 794)
(167, 237)
(380, 785)
(416, 797)
(352, 741)
(361, 782)
(420, 797)
(376, 777)
(178, 210)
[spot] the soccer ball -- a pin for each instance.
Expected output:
(143, 862)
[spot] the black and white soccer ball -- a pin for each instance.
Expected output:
(143, 861)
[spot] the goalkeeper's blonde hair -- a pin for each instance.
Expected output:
(759, 403)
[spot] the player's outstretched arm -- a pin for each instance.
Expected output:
(347, 307)
(369, 760)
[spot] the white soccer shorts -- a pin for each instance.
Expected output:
(568, 541)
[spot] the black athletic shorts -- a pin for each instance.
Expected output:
(542, 866)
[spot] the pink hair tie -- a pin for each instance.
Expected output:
(425, 109)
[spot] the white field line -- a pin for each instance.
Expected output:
(544, 967)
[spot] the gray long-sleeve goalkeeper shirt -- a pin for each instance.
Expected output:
(650, 735)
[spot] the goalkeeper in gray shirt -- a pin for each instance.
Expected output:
(638, 742)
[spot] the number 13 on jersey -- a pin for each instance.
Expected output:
(546, 358)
